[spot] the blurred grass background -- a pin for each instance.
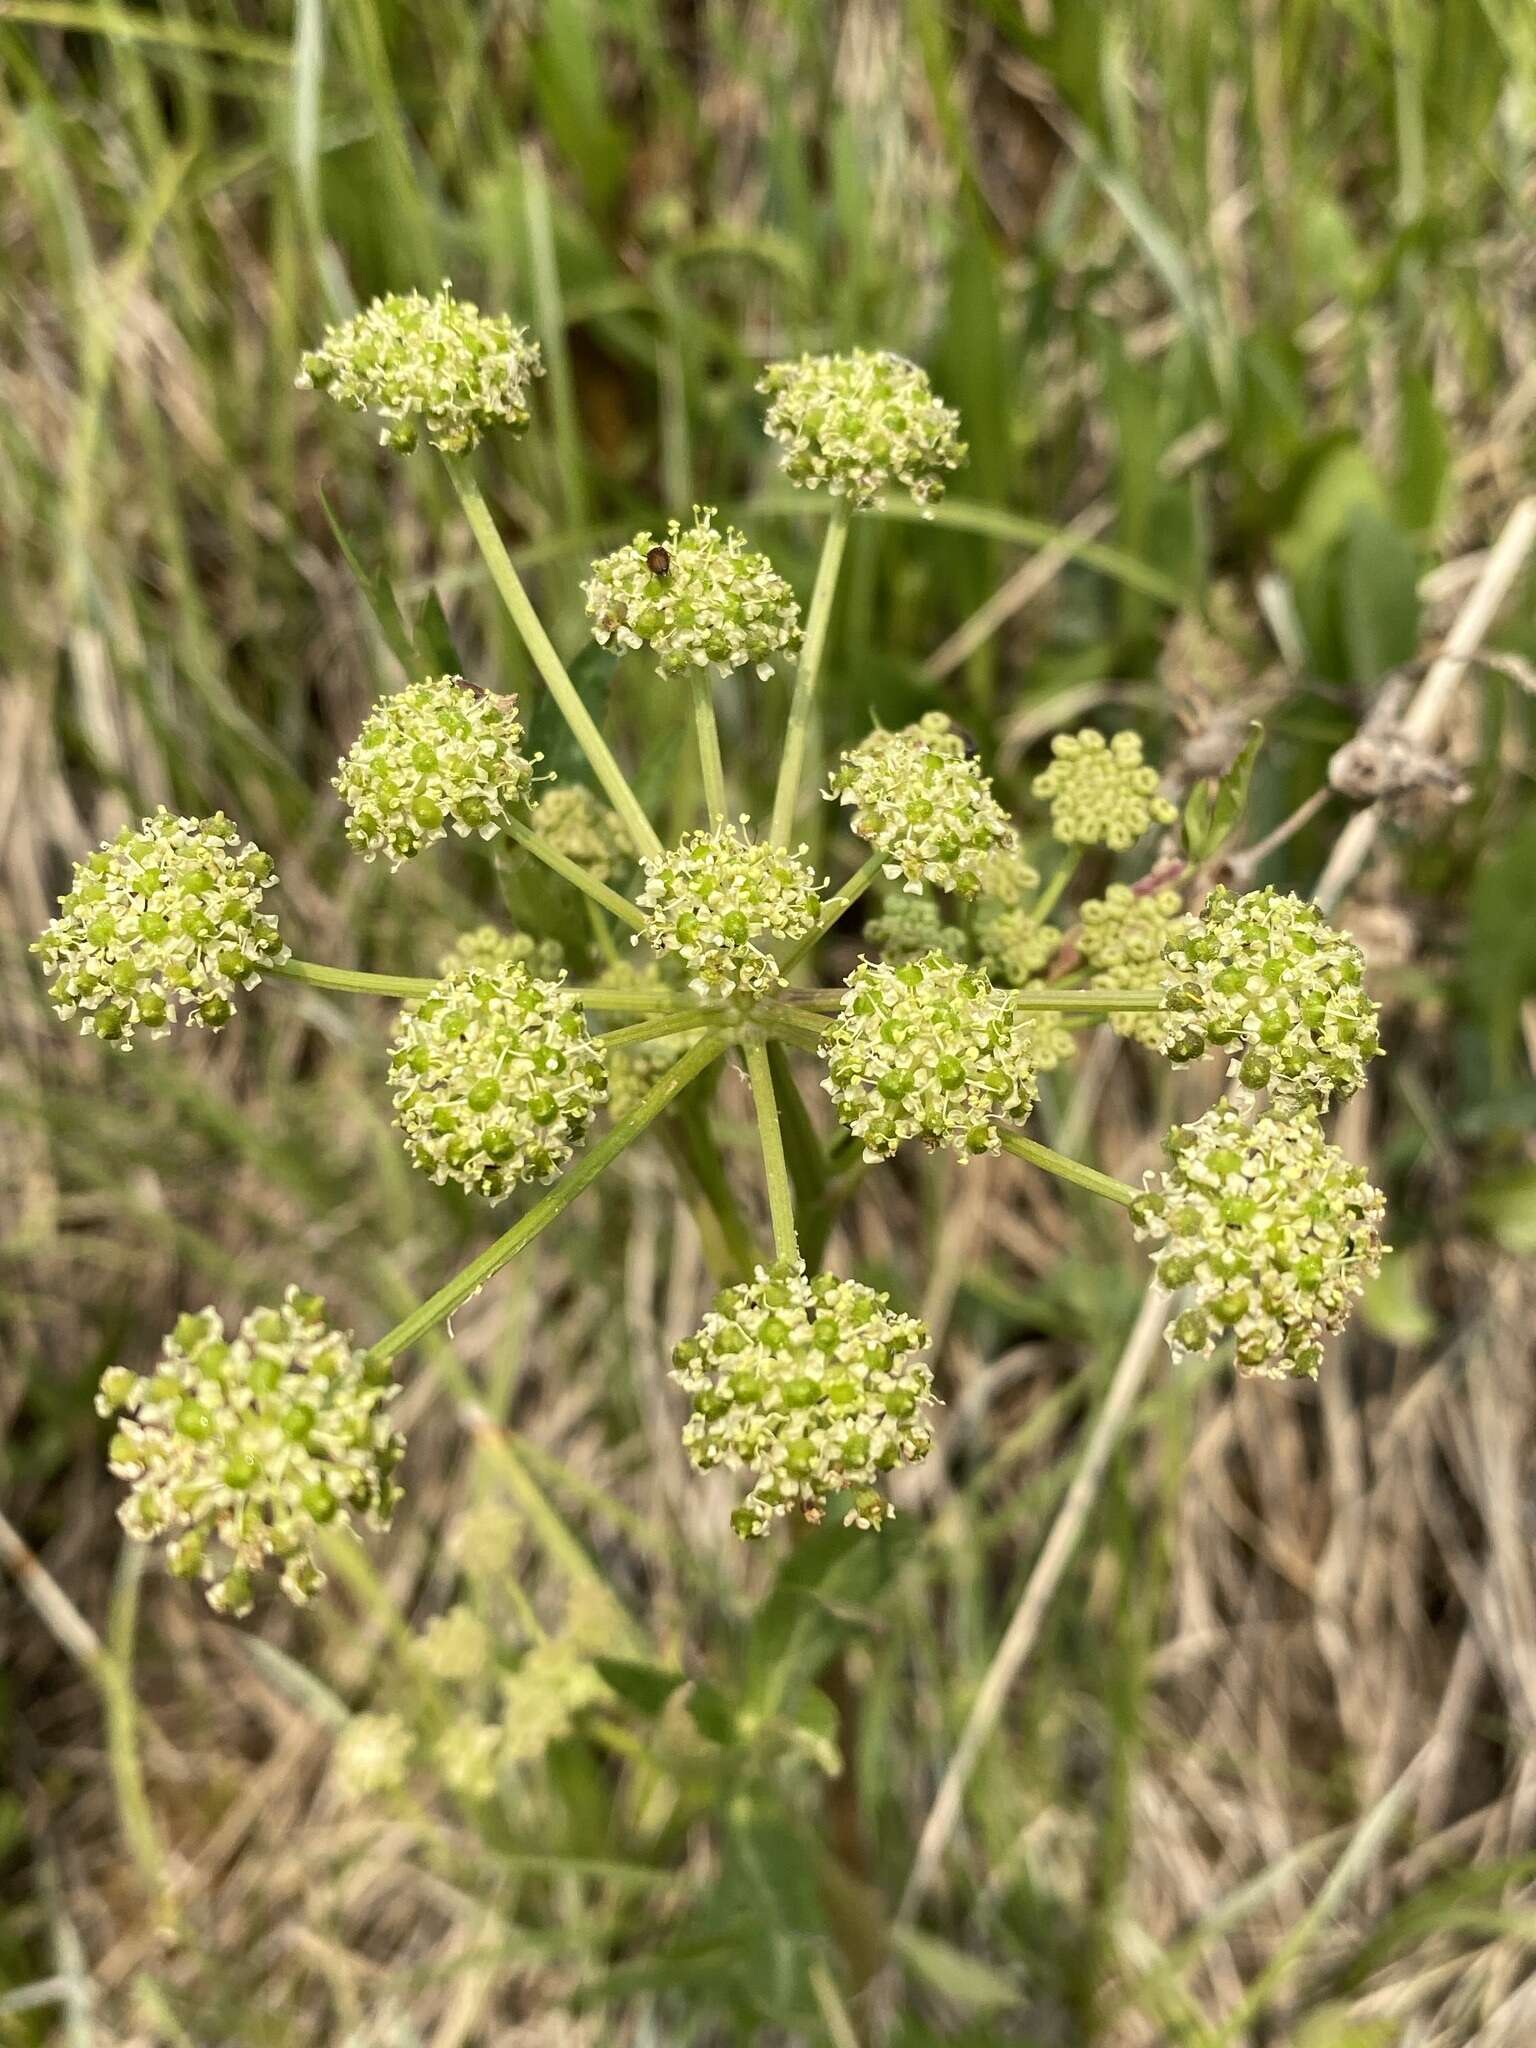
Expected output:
(1238, 301)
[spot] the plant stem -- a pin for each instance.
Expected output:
(353, 981)
(646, 1029)
(642, 1000)
(439, 1306)
(711, 766)
(835, 906)
(572, 872)
(1090, 1002)
(1050, 895)
(548, 663)
(812, 648)
(602, 934)
(1073, 1170)
(781, 1200)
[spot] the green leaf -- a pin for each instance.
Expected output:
(1212, 810)
(646, 1686)
(379, 596)
(962, 1979)
(1505, 1206)
(548, 734)
(434, 639)
(713, 1714)
(1377, 581)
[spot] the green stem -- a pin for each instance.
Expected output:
(1091, 1002)
(602, 934)
(572, 872)
(1050, 895)
(642, 999)
(835, 906)
(812, 648)
(711, 766)
(781, 1200)
(438, 1307)
(353, 981)
(1073, 1170)
(645, 1029)
(548, 663)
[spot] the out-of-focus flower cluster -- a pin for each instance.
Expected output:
(859, 423)
(928, 1050)
(1273, 1230)
(575, 822)
(812, 1385)
(919, 798)
(1014, 946)
(495, 1078)
(710, 900)
(697, 598)
(1267, 980)
(164, 919)
(239, 1449)
(487, 947)
(633, 1069)
(1101, 792)
(908, 927)
(436, 755)
(436, 366)
(1123, 937)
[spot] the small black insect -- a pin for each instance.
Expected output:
(659, 562)
(966, 739)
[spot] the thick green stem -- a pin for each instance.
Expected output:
(438, 1307)
(711, 766)
(835, 906)
(1073, 1170)
(1090, 1002)
(781, 1199)
(812, 648)
(572, 872)
(353, 981)
(645, 1029)
(548, 663)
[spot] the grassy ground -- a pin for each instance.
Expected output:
(1239, 305)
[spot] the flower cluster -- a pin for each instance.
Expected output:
(697, 598)
(859, 423)
(910, 926)
(239, 1450)
(495, 1078)
(577, 823)
(438, 366)
(1273, 1230)
(457, 1647)
(1101, 792)
(165, 917)
(920, 798)
(1014, 946)
(1008, 880)
(928, 1050)
(1123, 938)
(713, 895)
(487, 947)
(436, 754)
(372, 1756)
(1266, 979)
(812, 1385)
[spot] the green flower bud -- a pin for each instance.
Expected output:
(818, 1385)
(437, 365)
(859, 423)
(434, 755)
(1101, 792)
(166, 918)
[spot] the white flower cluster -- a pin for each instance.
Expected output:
(812, 1385)
(928, 1050)
(582, 827)
(165, 918)
(920, 798)
(437, 366)
(859, 423)
(435, 755)
(238, 1449)
(1267, 980)
(1273, 1229)
(1101, 792)
(495, 1079)
(711, 898)
(697, 598)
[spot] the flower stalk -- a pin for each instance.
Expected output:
(808, 672)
